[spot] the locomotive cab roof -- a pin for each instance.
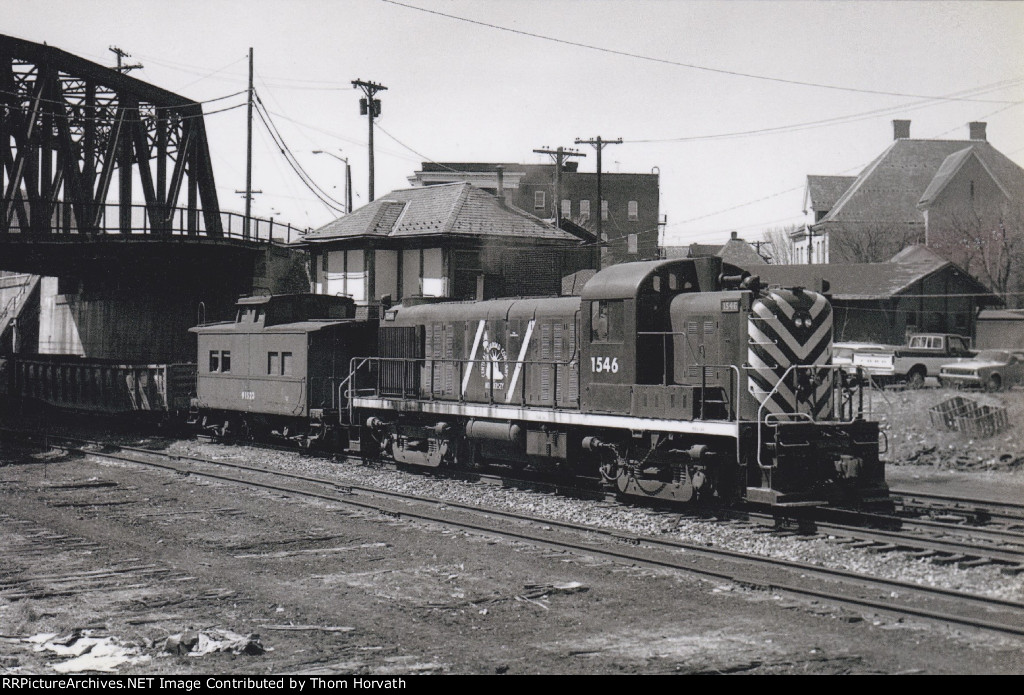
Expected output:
(625, 280)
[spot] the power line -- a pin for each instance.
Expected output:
(292, 160)
(692, 66)
(835, 120)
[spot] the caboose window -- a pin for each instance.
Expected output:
(273, 363)
(286, 363)
(225, 360)
(214, 360)
(606, 318)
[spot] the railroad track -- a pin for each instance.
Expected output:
(810, 581)
(980, 533)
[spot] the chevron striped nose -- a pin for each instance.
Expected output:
(787, 330)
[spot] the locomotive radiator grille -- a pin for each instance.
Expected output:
(789, 328)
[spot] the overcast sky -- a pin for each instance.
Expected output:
(733, 102)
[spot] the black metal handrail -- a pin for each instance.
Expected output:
(178, 221)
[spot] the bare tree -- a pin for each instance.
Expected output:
(990, 248)
(779, 244)
(872, 242)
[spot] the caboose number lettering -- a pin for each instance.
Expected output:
(604, 364)
(248, 395)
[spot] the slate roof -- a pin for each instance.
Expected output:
(824, 191)
(865, 281)
(893, 185)
(451, 210)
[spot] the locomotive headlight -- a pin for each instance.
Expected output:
(799, 321)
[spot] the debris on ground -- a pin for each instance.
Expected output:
(103, 654)
(208, 641)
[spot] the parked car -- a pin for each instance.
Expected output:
(991, 369)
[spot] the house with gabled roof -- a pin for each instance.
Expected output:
(735, 251)
(820, 195)
(917, 290)
(451, 240)
(916, 191)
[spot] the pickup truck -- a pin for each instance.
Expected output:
(923, 356)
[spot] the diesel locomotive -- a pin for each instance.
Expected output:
(682, 380)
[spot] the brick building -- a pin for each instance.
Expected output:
(630, 210)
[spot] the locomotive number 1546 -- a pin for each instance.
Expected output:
(604, 364)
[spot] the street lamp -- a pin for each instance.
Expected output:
(348, 178)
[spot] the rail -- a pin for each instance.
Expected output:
(143, 220)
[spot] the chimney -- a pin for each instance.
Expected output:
(900, 130)
(500, 170)
(977, 130)
(734, 235)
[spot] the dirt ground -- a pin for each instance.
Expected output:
(172, 574)
(915, 438)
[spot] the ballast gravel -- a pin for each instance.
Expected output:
(825, 551)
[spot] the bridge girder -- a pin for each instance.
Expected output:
(69, 127)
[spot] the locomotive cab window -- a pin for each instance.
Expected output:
(606, 319)
(214, 360)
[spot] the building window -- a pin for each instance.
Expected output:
(286, 363)
(538, 200)
(631, 245)
(634, 214)
(273, 363)
(566, 208)
(604, 209)
(585, 208)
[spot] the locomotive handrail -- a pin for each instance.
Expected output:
(774, 419)
(352, 367)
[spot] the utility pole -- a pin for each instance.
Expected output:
(599, 145)
(248, 158)
(559, 154)
(123, 69)
(370, 107)
(348, 177)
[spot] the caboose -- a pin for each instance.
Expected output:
(279, 368)
(676, 379)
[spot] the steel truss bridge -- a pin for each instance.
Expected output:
(71, 131)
